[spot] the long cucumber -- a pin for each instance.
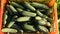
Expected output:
(9, 30)
(27, 13)
(39, 5)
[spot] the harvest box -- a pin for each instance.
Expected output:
(29, 15)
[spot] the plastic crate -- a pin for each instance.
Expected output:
(54, 16)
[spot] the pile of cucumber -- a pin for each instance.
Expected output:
(27, 17)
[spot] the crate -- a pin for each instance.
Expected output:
(54, 29)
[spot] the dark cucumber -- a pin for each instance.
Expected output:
(17, 27)
(29, 6)
(9, 10)
(16, 5)
(39, 5)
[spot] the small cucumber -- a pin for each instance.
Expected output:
(9, 30)
(27, 13)
(12, 8)
(41, 22)
(49, 20)
(48, 24)
(44, 19)
(42, 28)
(19, 10)
(21, 19)
(38, 18)
(26, 4)
(29, 27)
(41, 15)
(10, 24)
(16, 5)
(50, 11)
(39, 5)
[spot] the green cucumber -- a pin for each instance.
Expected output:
(29, 27)
(48, 24)
(41, 22)
(22, 19)
(38, 18)
(9, 30)
(5, 17)
(16, 5)
(41, 15)
(20, 10)
(10, 24)
(12, 8)
(49, 20)
(42, 28)
(27, 13)
(39, 5)
(26, 4)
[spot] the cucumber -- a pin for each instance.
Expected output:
(50, 11)
(39, 5)
(42, 28)
(12, 8)
(5, 17)
(44, 19)
(41, 22)
(9, 30)
(19, 10)
(49, 20)
(41, 15)
(26, 4)
(16, 5)
(27, 13)
(22, 19)
(9, 10)
(29, 27)
(38, 18)
(48, 24)
(10, 24)
(17, 27)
